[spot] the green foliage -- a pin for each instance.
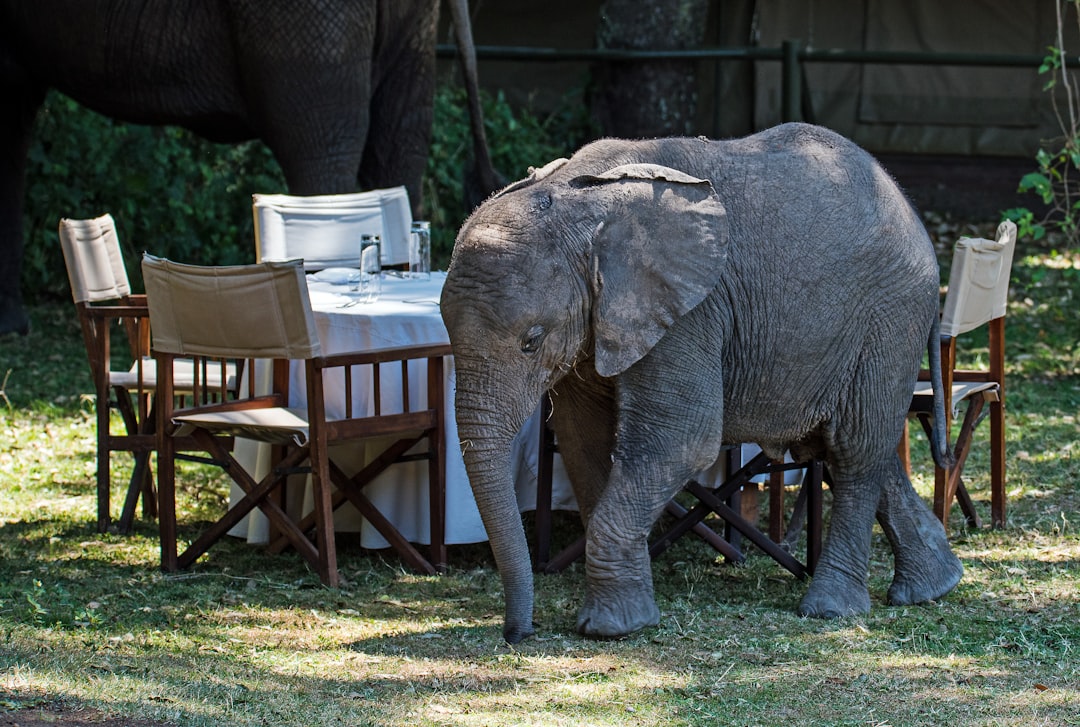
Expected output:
(1026, 224)
(1056, 182)
(171, 192)
(1051, 63)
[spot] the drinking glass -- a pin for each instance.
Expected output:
(420, 250)
(370, 268)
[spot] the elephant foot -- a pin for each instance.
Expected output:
(834, 598)
(934, 577)
(618, 583)
(517, 634)
(925, 566)
(617, 614)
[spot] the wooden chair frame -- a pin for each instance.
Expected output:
(977, 295)
(987, 403)
(98, 324)
(301, 439)
(734, 501)
(106, 307)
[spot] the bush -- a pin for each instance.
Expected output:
(172, 193)
(1056, 181)
(177, 195)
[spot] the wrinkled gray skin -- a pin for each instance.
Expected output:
(676, 294)
(341, 91)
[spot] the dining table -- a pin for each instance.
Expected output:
(405, 312)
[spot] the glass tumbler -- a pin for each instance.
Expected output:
(370, 268)
(420, 250)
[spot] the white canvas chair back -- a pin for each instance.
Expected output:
(397, 225)
(242, 311)
(94, 263)
(325, 230)
(979, 281)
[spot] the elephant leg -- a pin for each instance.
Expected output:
(839, 585)
(402, 99)
(925, 566)
(861, 453)
(583, 418)
(665, 432)
(319, 145)
(619, 587)
(21, 103)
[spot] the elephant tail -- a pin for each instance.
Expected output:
(939, 442)
(482, 179)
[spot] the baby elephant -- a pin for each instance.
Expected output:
(677, 294)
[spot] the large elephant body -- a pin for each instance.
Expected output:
(341, 92)
(674, 295)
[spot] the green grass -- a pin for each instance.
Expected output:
(251, 639)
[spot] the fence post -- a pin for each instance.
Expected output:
(791, 82)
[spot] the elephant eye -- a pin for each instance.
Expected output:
(543, 201)
(532, 338)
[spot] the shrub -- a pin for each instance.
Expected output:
(1057, 179)
(172, 193)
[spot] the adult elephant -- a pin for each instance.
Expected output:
(340, 90)
(677, 294)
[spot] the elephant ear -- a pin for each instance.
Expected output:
(657, 254)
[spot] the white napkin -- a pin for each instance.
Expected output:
(335, 276)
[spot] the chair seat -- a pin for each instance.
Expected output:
(183, 376)
(275, 425)
(923, 395)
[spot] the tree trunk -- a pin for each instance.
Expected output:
(643, 99)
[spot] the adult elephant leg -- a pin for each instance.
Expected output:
(305, 79)
(666, 430)
(839, 584)
(925, 566)
(312, 171)
(21, 103)
(402, 100)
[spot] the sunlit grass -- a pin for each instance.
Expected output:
(247, 638)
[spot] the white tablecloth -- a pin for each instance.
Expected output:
(407, 312)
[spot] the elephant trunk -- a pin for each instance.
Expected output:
(487, 457)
